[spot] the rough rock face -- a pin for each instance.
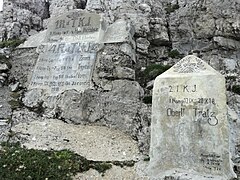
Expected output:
(58, 7)
(165, 31)
(22, 18)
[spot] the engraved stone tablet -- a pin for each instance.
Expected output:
(64, 66)
(75, 26)
(189, 129)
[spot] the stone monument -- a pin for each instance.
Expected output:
(75, 25)
(67, 56)
(189, 130)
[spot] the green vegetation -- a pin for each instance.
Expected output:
(171, 8)
(152, 71)
(39, 109)
(102, 167)
(15, 104)
(15, 95)
(174, 54)
(11, 43)
(233, 78)
(149, 74)
(236, 89)
(124, 163)
(147, 99)
(17, 163)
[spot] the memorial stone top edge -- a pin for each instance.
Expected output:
(75, 25)
(190, 66)
(74, 14)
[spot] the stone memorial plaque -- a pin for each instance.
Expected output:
(75, 26)
(67, 57)
(189, 129)
(64, 66)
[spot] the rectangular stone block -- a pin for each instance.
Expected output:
(64, 66)
(75, 26)
(189, 130)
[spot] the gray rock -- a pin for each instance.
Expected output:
(145, 7)
(207, 28)
(142, 45)
(124, 73)
(159, 32)
(19, 15)
(94, 142)
(34, 40)
(4, 67)
(24, 116)
(33, 98)
(150, 84)
(230, 64)
(14, 87)
(119, 31)
(5, 106)
(227, 43)
(22, 61)
(127, 49)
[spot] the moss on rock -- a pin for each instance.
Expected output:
(11, 43)
(21, 163)
(236, 89)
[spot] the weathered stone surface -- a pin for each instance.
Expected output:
(5, 107)
(125, 73)
(64, 66)
(127, 49)
(4, 67)
(14, 87)
(94, 143)
(59, 7)
(189, 126)
(33, 98)
(34, 40)
(142, 45)
(159, 33)
(185, 26)
(19, 17)
(22, 62)
(119, 31)
(5, 114)
(116, 173)
(75, 26)
(227, 43)
(22, 116)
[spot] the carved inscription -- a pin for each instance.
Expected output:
(212, 161)
(64, 66)
(70, 48)
(196, 104)
(189, 66)
(189, 129)
(74, 26)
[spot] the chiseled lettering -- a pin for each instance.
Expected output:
(60, 24)
(185, 88)
(61, 47)
(52, 48)
(84, 22)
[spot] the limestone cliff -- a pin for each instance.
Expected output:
(164, 32)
